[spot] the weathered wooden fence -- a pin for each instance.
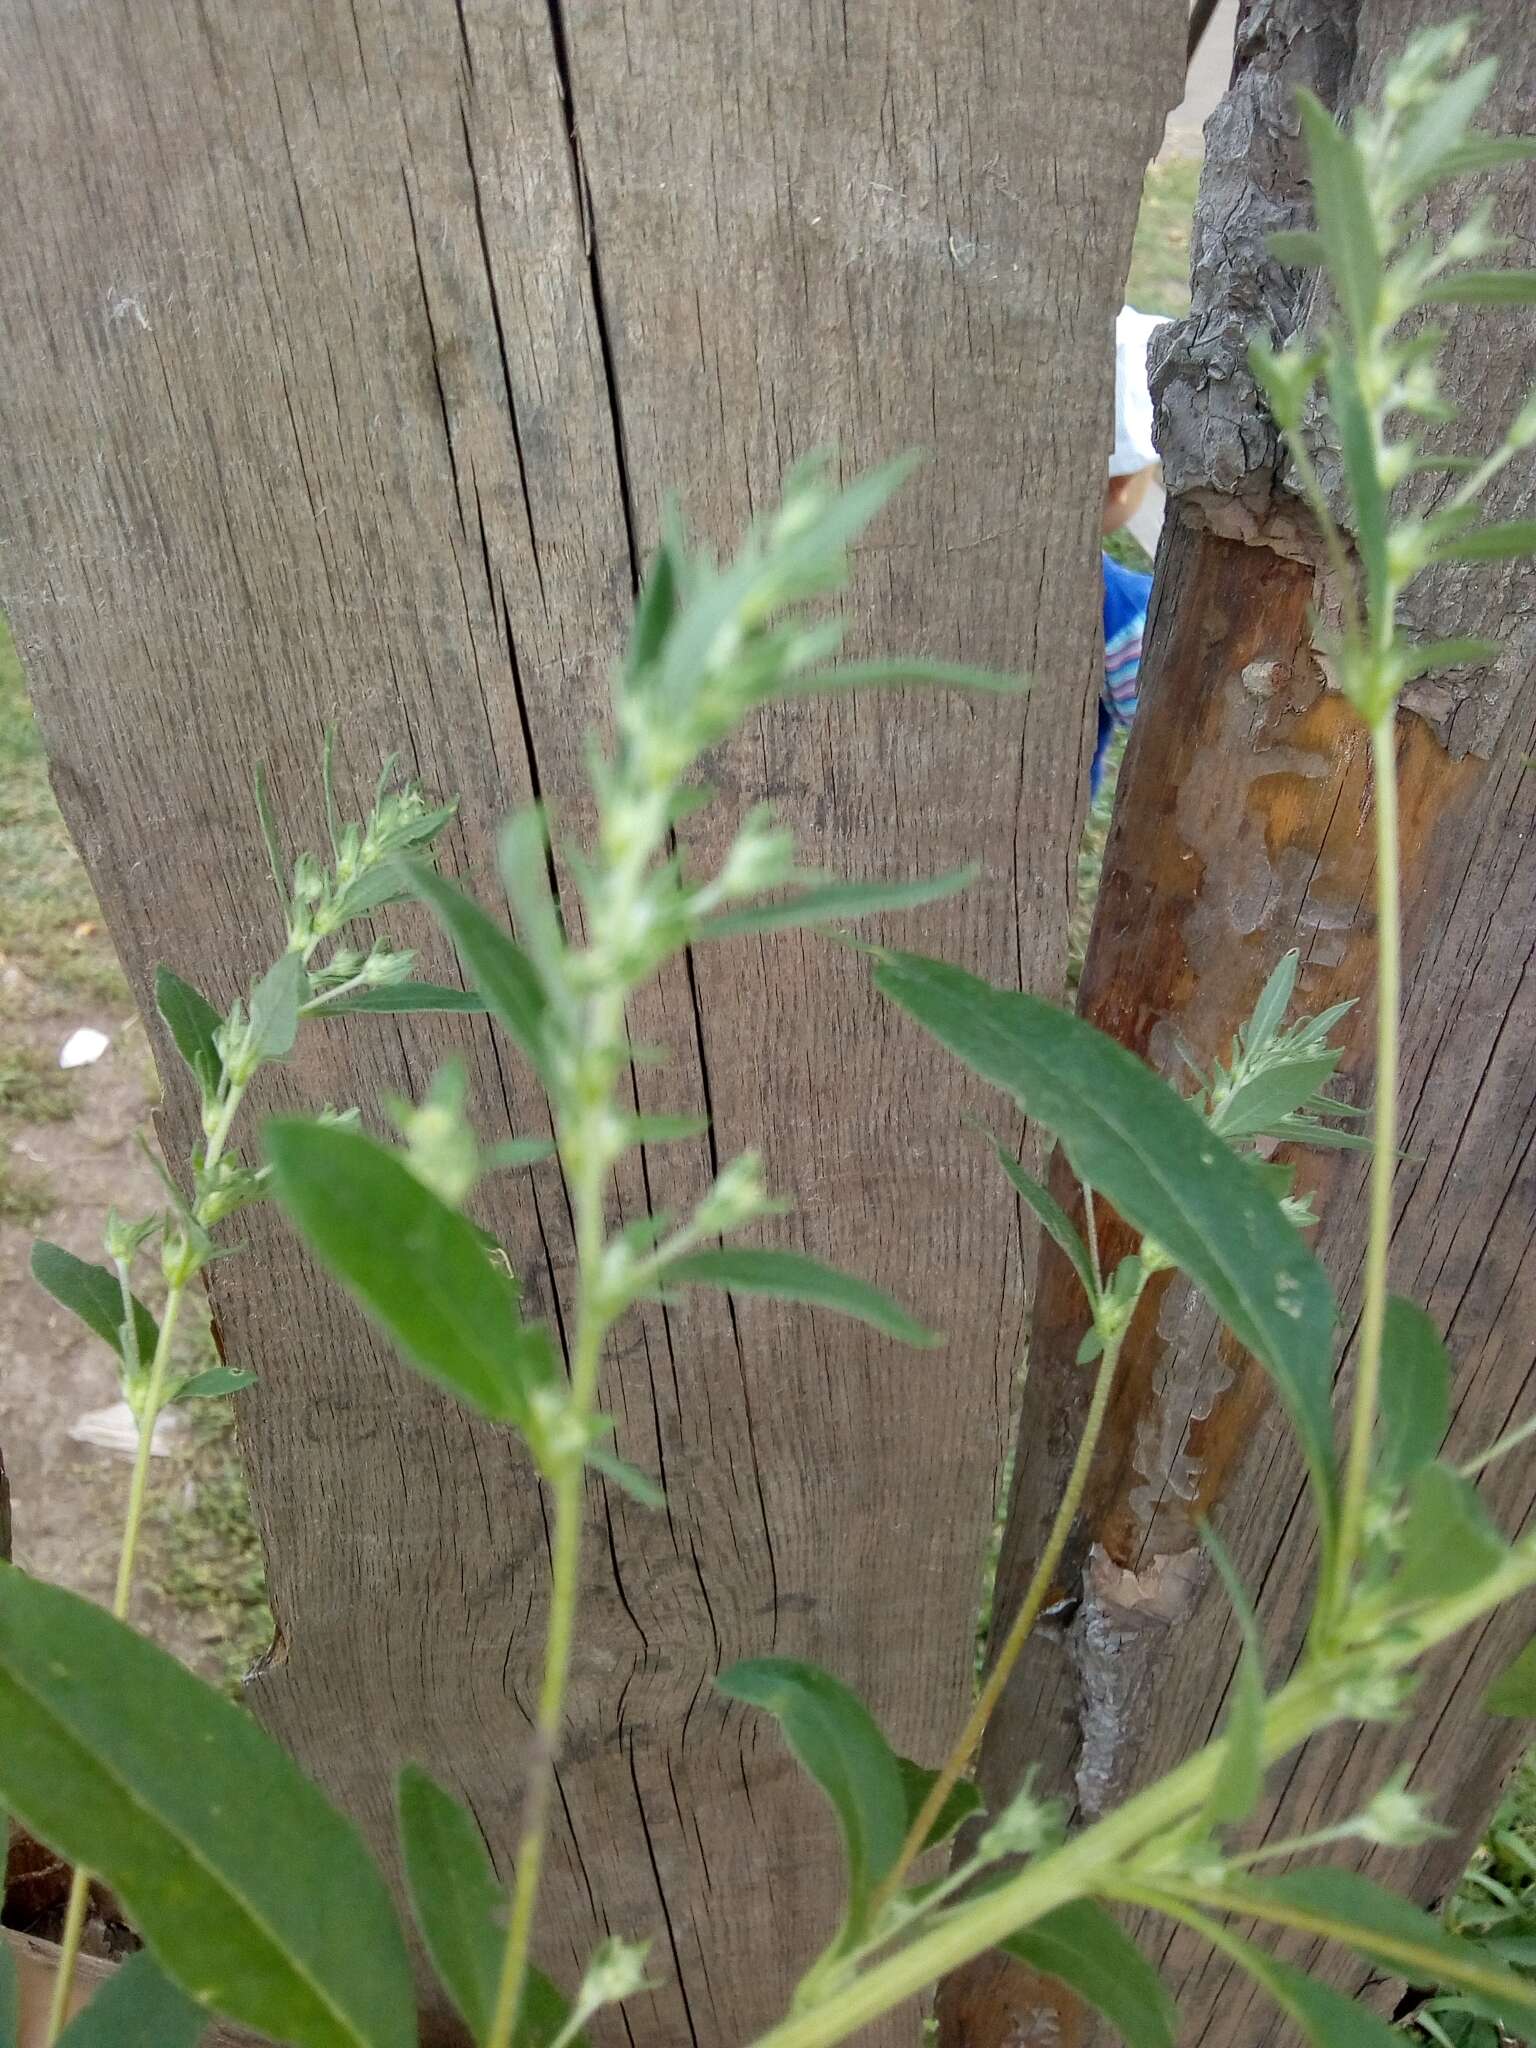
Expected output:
(1244, 830)
(349, 347)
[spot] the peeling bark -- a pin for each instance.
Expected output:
(1244, 829)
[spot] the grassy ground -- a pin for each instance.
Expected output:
(203, 1576)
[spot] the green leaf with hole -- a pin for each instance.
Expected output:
(417, 1266)
(792, 1276)
(834, 903)
(1057, 1223)
(837, 1741)
(1083, 1948)
(1126, 1133)
(1342, 1906)
(497, 966)
(95, 1295)
(399, 999)
(1240, 1775)
(1415, 1394)
(192, 1021)
(1449, 1545)
(1512, 1695)
(247, 1885)
(138, 2006)
(961, 1802)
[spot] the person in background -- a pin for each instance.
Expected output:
(1132, 476)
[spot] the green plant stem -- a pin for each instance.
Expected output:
(1096, 1860)
(1035, 1597)
(588, 1173)
(80, 1879)
(1357, 1468)
(138, 1490)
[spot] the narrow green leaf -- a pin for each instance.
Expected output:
(962, 1801)
(836, 903)
(1367, 493)
(792, 1276)
(1126, 1133)
(523, 851)
(192, 1021)
(1482, 153)
(1441, 124)
(1083, 1948)
(247, 1885)
(1512, 1694)
(269, 834)
(628, 1478)
(1449, 1544)
(416, 1265)
(1052, 1216)
(1342, 1906)
(1274, 1000)
(217, 1380)
(1346, 224)
(1325, 2016)
(399, 999)
(1490, 543)
(902, 671)
(137, 2007)
(520, 1152)
(458, 1904)
(653, 614)
(94, 1294)
(837, 1741)
(10, 1989)
(1297, 248)
(275, 1004)
(1483, 288)
(499, 968)
(1240, 1778)
(665, 1130)
(1415, 1394)
(1260, 1100)
(1418, 660)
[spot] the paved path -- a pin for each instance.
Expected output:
(1207, 83)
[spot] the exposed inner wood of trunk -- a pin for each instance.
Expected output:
(1243, 829)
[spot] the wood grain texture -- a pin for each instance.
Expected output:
(349, 349)
(1244, 829)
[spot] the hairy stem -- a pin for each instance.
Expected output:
(1095, 1861)
(588, 1172)
(138, 1490)
(1034, 1600)
(1357, 1468)
(149, 1414)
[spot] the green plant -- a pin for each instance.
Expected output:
(127, 1764)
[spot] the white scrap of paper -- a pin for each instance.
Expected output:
(83, 1048)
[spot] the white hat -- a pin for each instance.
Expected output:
(1134, 447)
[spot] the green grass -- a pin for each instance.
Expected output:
(1159, 275)
(50, 927)
(207, 1559)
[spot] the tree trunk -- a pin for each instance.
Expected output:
(350, 349)
(1243, 829)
